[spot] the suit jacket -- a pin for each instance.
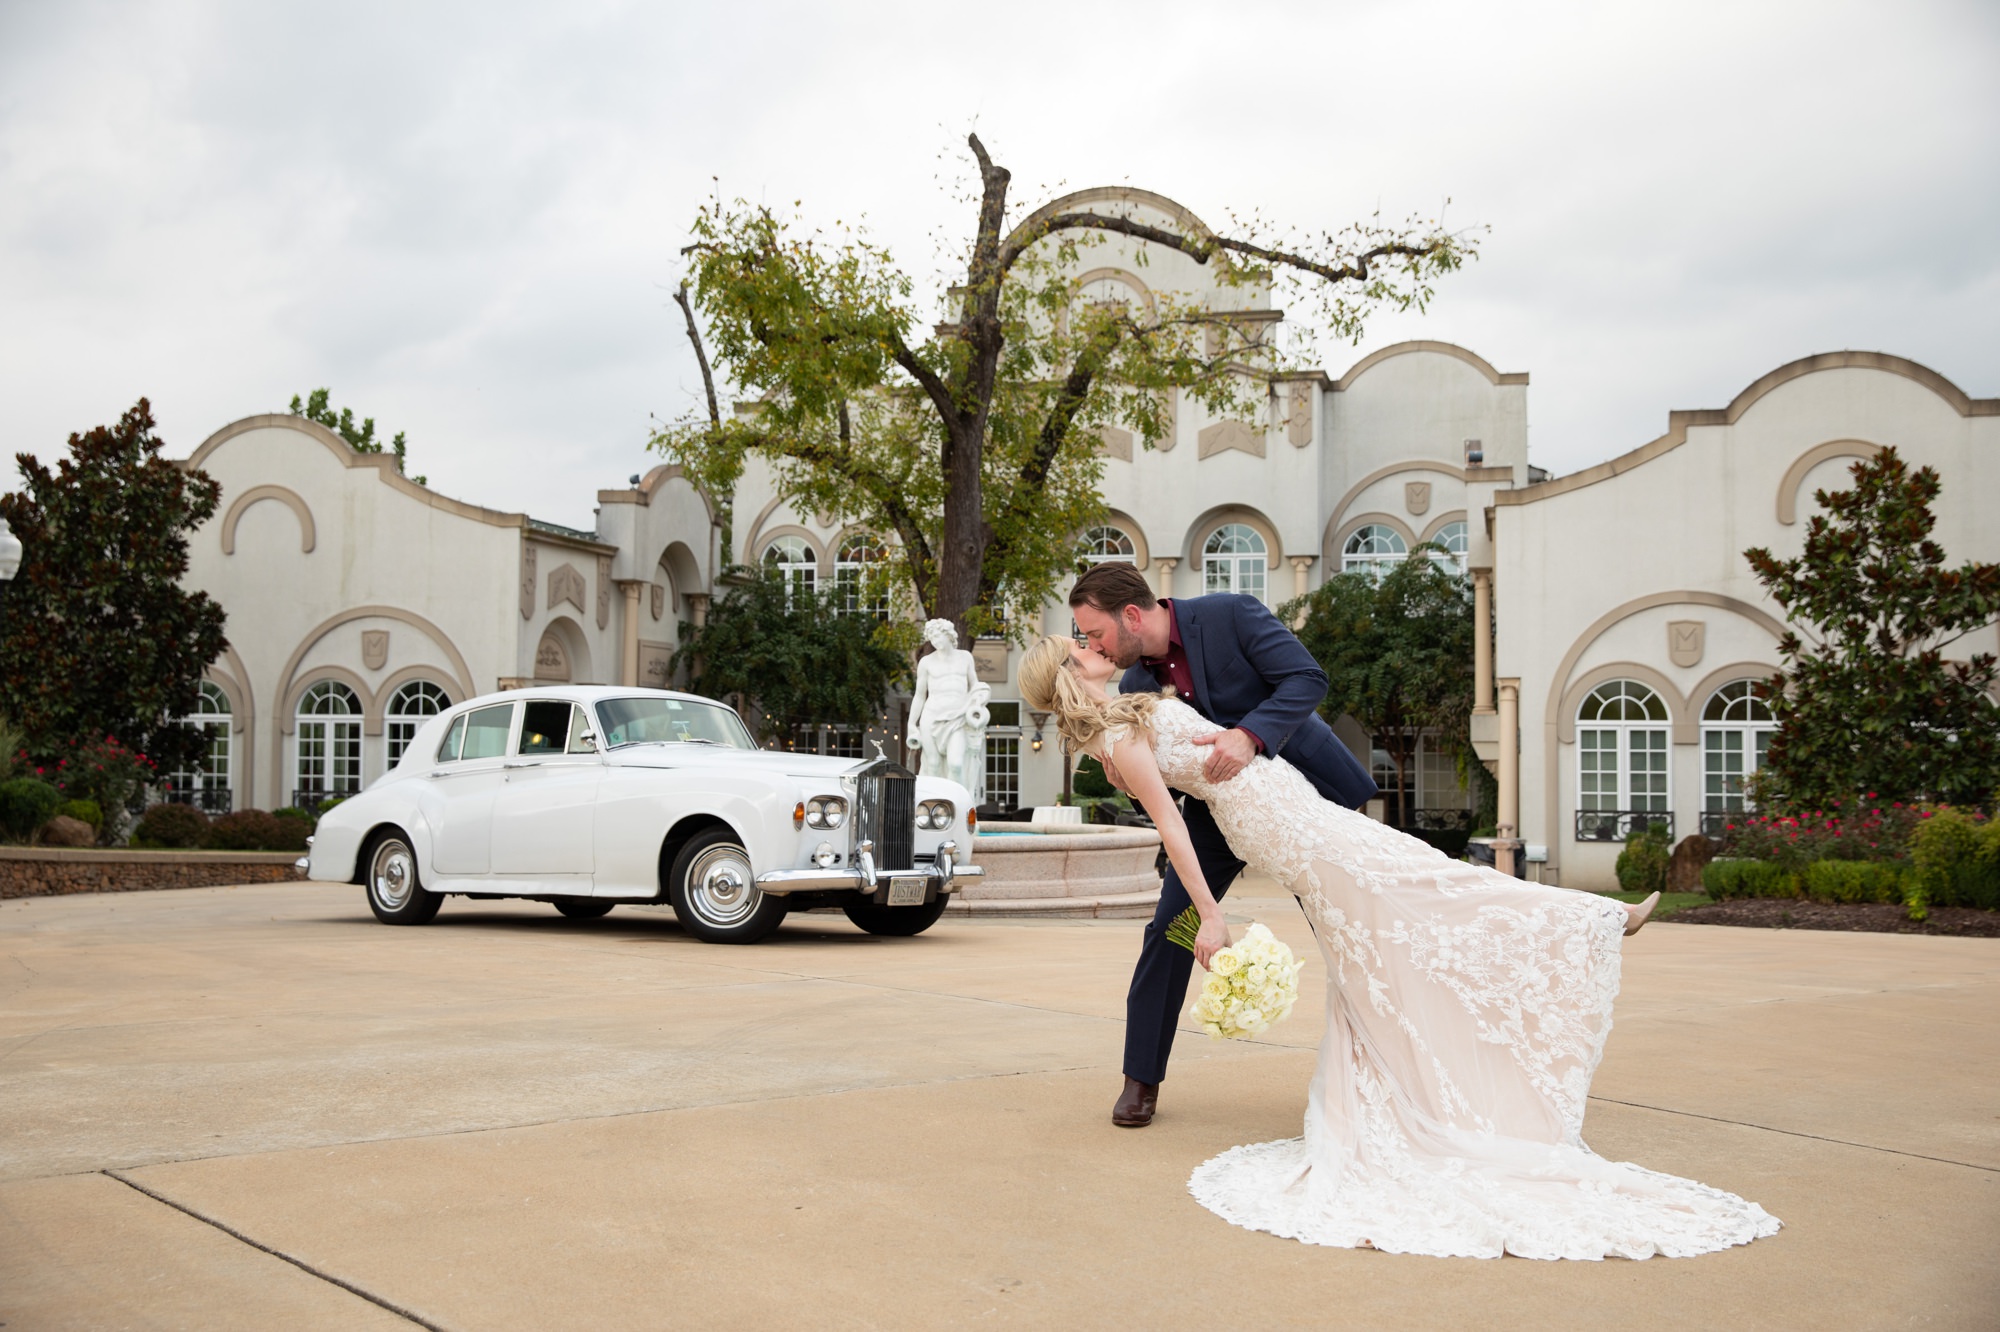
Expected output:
(1251, 671)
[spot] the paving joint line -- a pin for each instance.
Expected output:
(304, 1266)
(1796, 1133)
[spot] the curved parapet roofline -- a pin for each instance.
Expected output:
(1081, 200)
(1680, 422)
(1451, 349)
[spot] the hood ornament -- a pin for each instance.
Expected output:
(880, 752)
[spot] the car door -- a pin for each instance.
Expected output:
(464, 783)
(544, 810)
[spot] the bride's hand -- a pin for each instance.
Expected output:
(1212, 938)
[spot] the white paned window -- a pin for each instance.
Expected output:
(856, 575)
(1373, 549)
(1621, 742)
(1105, 545)
(795, 563)
(1736, 729)
(1438, 786)
(1456, 542)
(408, 708)
(209, 785)
(1234, 559)
(1003, 770)
(329, 744)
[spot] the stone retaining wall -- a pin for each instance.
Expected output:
(46, 871)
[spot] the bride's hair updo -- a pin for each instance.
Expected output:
(1049, 683)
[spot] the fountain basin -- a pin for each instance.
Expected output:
(1062, 870)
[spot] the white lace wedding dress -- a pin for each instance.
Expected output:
(1465, 1014)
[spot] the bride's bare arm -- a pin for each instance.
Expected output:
(1141, 771)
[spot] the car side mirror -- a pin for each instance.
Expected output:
(586, 743)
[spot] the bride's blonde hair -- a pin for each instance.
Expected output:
(1049, 683)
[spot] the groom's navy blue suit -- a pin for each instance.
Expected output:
(1250, 671)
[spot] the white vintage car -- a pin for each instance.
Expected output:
(587, 797)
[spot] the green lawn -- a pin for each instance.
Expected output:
(1669, 902)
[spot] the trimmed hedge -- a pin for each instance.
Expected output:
(84, 811)
(1642, 865)
(1956, 862)
(1747, 878)
(26, 803)
(254, 830)
(1855, 881)
(177, 827)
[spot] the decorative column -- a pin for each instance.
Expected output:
(1300, 565)
(1482, 640)
(1166, 572)
(697, 608)
(1506, 839)
(629, 655)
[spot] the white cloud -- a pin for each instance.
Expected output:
(465, 218)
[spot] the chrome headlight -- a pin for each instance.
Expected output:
(935, 815)
(826, 812)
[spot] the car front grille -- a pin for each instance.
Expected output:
(899, 822)
(885, 812)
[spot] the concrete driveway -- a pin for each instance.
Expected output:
(256, 1108)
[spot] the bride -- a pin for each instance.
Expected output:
(1465, 1014)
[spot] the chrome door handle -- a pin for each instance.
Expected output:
(536, 764)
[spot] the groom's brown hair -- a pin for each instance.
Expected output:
(1111, 587)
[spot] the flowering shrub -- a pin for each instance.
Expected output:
(102, 771)
(1867, 828)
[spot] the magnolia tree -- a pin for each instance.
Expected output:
(1867, 700)
(971, 439)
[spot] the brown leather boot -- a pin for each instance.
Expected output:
(1136, 1104)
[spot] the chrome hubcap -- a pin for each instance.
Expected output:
(393, 877)
(720, 889)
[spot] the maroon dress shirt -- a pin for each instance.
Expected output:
(1179, 674)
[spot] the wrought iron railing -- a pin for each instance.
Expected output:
(1620, 825)
(311, 798)
(1442, 820)
(1717, 822)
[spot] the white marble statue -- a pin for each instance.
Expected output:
(948, 714)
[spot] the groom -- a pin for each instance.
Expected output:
(1230, 659)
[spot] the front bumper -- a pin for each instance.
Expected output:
(946, 875)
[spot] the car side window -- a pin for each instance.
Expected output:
(580, 741)
(448, 751)
(486, 732)
(544, 727)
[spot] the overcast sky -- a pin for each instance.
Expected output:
(464, 218)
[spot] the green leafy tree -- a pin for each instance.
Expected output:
(1397, 652)
(791, 653)
(101, 640)
(1866, 700)
(359, 438)
(974, 438)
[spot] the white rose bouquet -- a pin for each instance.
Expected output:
(1250, 984)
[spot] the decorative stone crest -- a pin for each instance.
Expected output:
(374, 648)
(566, 584)
(1417, 497)
(1299, 425)
(1115, 443)
(603, 591)
(551, 660)
(659, 601)
(1226, 435)
(527, 580)
(1686, 640)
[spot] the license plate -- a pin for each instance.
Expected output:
(907, 892)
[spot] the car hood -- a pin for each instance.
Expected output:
(715, 758)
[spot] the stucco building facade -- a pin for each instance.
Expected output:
(1627, 622)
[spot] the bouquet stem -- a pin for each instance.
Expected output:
(1183, 928)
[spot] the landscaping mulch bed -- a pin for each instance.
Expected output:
(1780, 913)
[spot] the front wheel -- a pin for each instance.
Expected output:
(394, 893)
(714, 891)
(897, 922)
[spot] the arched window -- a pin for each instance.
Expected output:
(795, 563)
(208, 786)
(1373, 549)
(1456, 541)
(857, 577)
(1621, 742)
(1105, 545)
(329, 730)
(1736, 730)
(407, 709)
(1234, 559)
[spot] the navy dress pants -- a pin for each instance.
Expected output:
(1160, 981)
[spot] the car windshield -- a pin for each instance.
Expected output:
(638, 721)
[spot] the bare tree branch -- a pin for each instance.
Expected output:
(700, 356)
(1201, 251)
